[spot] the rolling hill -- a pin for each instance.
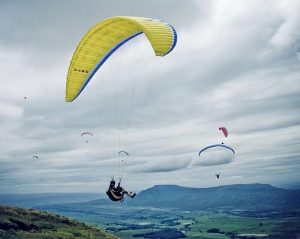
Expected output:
(31, 223)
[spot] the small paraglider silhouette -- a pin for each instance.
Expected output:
(86, 133)
(35, 157)
(122, 152)
(25, 97)
(224, 130)
(218, 175)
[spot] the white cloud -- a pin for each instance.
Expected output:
(287, 33)
(10, 112)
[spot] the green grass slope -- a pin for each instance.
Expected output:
(31, 223)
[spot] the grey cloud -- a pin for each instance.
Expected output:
(162, 165)
(210, 157)
(49, 21)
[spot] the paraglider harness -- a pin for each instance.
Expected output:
(115, 193)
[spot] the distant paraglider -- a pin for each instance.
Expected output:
(122, 158)
(123, 153)
(35, 157)
(225, 131)
(216, 154)
(86, 133)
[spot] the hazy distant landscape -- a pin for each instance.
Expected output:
(170, 211)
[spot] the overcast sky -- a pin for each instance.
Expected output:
(236, 64)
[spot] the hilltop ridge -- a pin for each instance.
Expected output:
(30, 223)
(237, 196)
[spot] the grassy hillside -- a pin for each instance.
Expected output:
(31, 223)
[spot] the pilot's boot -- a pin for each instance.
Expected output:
(132, 195)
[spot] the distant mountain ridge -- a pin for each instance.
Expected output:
(238, 196)
(231, 197)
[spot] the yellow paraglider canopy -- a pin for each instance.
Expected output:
(105, 38)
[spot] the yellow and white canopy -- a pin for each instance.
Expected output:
(102, 40)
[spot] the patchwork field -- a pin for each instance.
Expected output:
(146, 222)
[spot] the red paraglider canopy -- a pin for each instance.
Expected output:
(224, 130)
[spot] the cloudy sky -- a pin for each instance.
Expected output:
(236, 64)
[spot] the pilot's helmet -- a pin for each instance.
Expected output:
(112, 183)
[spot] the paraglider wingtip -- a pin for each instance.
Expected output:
(69, 99)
